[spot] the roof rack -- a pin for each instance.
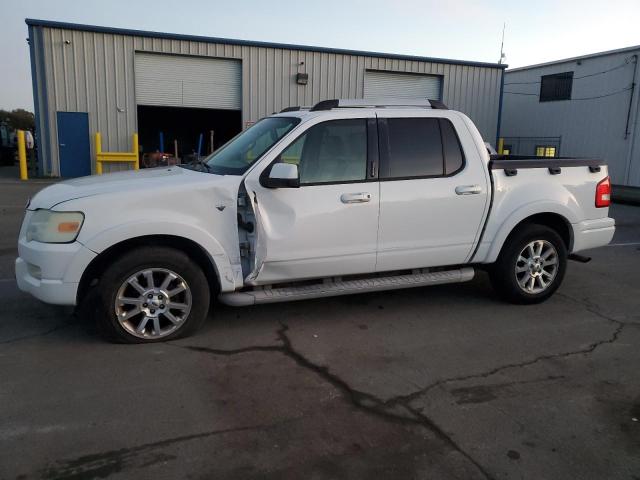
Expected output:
(378, 103)
(297, 108)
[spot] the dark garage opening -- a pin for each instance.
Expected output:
(184, 125)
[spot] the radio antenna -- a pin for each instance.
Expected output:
(502, 55)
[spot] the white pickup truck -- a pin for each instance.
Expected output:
(344, 197)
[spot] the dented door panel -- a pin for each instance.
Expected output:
(309, 232)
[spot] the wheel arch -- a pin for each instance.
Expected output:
(195, 251)
(556, 221)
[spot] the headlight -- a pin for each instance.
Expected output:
(54, 227)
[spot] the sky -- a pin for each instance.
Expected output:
(536, 31)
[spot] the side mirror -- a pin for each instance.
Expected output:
(281, 175)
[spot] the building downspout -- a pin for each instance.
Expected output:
(634, 124)
(633, 88)
(500, 106)
(46, 142)
(36, 102)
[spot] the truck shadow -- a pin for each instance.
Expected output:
(25, 318)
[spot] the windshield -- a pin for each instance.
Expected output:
(242, 151)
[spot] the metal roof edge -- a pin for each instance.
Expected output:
(251, 43)
(579, 57)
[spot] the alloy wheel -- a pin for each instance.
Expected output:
(153, 303)
(536, 266)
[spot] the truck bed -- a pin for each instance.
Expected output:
(523, 185)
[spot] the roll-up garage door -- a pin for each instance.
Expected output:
(182, 81)
(401, 85)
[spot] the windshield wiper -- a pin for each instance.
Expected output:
(198, 164)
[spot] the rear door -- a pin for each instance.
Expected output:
(433, 190)
(328, 226)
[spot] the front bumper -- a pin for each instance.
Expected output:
(593, 233)
(52, 272)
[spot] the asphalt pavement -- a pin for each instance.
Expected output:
(442, 382)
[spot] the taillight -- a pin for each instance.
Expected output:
(603, 193)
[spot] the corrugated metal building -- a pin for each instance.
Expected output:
(89, 79)
(584, 106)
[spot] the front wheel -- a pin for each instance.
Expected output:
(152, 294)
(531, 265)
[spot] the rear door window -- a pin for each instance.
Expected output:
(419, 148)
(414, 148)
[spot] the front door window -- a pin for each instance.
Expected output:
(330, 152)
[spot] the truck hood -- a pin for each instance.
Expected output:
(113, 183)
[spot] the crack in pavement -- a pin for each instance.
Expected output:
(399, 413)
(404, 399)
(593, 308)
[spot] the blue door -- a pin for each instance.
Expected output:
(73, 144)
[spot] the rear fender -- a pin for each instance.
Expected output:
(520, 214)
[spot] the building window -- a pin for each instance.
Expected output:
(545, 151)
(556, 87)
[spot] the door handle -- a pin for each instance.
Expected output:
(63, 145)
(468, 189)
(361, 197)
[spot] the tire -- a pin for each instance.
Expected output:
(521, 274)
(131, 297)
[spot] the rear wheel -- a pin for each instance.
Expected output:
(531, 265)
(150, 295)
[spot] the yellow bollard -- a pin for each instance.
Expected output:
(136, 152)
(98, 152)
(500, 146)
(22, 156)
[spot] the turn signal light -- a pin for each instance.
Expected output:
(603, 193)
(68, 227)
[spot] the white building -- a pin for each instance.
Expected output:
(584, 106)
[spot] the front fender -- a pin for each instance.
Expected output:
(104, 239)
(503, 230)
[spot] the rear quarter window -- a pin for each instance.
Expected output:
(451, 148)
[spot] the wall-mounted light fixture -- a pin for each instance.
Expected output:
(302, 78)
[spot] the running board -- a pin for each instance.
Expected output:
(345, 287)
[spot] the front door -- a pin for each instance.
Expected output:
(433, 191)
(73, 144)
(328, 226)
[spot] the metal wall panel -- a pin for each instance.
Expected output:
(186, 81)
(379, 84)
(95, 72)
(593, 123)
